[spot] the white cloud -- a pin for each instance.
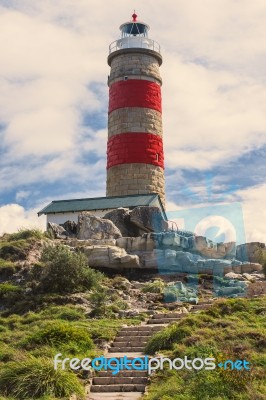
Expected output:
(53, 51)
(254, 212)
(14, 217)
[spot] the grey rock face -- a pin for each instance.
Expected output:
(58, 231)
(149, 219)
(110, 257)
(121, 218)
(92, 227)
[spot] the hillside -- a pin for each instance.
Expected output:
(52, 302)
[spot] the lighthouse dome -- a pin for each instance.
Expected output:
(134, 28)
(134, 34)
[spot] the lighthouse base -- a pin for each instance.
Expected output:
(129, 179)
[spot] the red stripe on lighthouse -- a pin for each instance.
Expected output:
(135, 93)
(127, 148)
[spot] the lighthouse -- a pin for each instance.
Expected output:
(135, 156)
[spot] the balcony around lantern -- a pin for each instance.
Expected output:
(134, 42)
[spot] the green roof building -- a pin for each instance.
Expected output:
(60, 211)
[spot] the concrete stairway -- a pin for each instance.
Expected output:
(131, 342)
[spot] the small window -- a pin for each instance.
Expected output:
(125, 78)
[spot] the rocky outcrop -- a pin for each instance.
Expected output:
(70, 227)
(148, 219)
(92, 227)
(110, 257)
(58, 231)
(121, 218)
(249, 251)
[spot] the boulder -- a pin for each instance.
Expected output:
(121, 218)
(232, 275)
(71, 227)
(92, 227)
(58, 231)
(110, 257)
(148, 219)
(250, 267)
(249, 251)
(249, 277)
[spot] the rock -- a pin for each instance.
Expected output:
(148, 219)
(121, 218)
(92, 227)
(228, 291)
(250, 267)
(58, 231)
(249, 277)
(92, 242)
(232, 275)
(71, 227)
(249, 251)
(110, 257)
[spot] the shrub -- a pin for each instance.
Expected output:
(60, 334)
(7, 268)
(65, 271)
(154, 287)
(26, 234)
(68, 313)
(15, 250)
(34, 378)
(166, 338)
(7, 290)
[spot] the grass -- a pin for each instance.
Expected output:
(230, 329)
(33, 339)
(34, 378)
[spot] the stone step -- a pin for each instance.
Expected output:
(136, 328)
(119, 380)
(136, 335)
(169, 315)
(127, 349)
(115, 396)
(162, 321)
(117, 388)
(123, 373)
(130, 355)
(129, 344)
(131, 340)
(201, 306)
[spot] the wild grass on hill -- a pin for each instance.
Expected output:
(231, 329)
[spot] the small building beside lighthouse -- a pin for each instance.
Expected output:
(135, 156)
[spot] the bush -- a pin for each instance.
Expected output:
(15, 250)
(59, 334)
(166, 338)
(7, 290)
(154, 287)
(34, 378)
(7, 268)
(65, 271)
(26, 234)
(67, 313)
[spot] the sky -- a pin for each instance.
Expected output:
(54, 98)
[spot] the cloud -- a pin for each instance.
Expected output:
(53, 75)
(14, 217)
(254, 212)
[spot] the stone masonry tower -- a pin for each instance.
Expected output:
(135, 157)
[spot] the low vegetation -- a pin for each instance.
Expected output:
(231, 329)
(40, 318)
